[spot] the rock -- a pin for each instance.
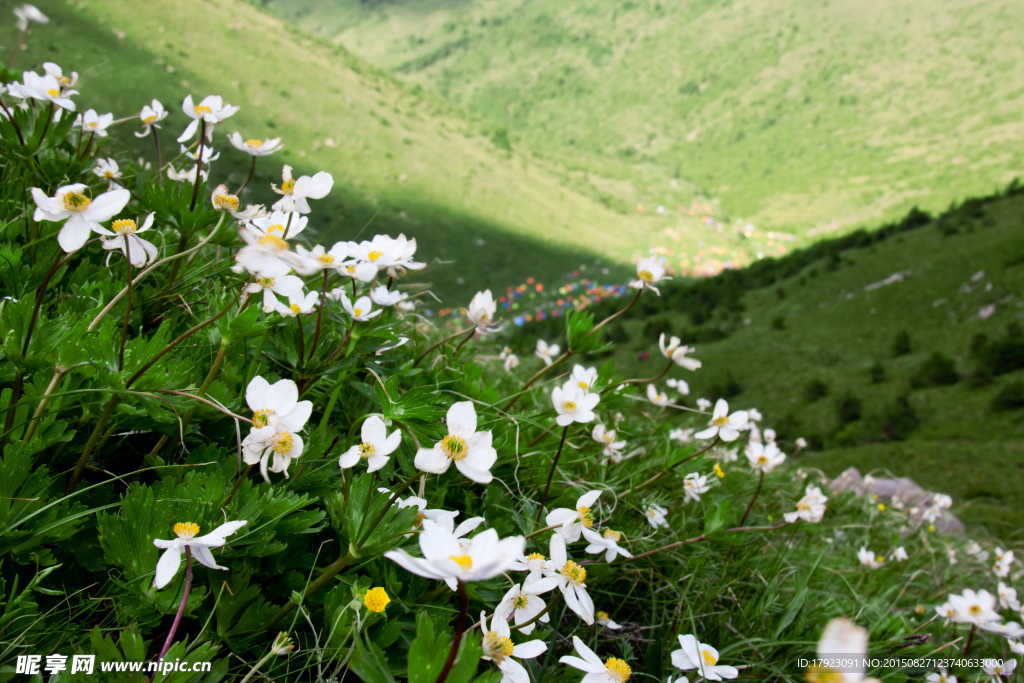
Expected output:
(913, 497)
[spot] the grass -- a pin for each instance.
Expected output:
(807, 347)
(809, 118)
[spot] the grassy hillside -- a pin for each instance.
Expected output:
(817, 341)
(805, 117)
(406, 160)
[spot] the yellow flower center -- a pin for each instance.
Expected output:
(63, 80)
(296, 309)
(709, 659)
(350, 270)
(497, 647)
(325, 258)
(287, 186)
(76, 201)
(53, 92)
(802, 506)
(108, 174)
(586, 517)
(419, 519)
(225, 201)
(274, 242)
(149, 120)
(464, 561)
(376, 599)
(762, 460)
(283, 443)
(719, 472)
(265, 282)
(601, 616)
(534, 556)
(203, 109)
(613, 535)
(570, 406)
(646, 275)
(259, 418)
(975, 610)
(374, 255)
(618, 669)
(651, 512)
(186, 529)
(879, 558)
(357, 312)
(521, 600)
(721, 421)
(575, 573)
(92, 124)
(123, 225)
(823, 674)
(366, 449)
(454, 447)
(584, 386)
(253, 144)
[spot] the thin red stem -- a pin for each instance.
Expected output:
(181, 607)
(551, 474)
(757, 492)
(319, 312)
(460, 625)
(199, 165)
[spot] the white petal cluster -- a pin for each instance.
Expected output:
(278, 417)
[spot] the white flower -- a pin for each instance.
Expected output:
(1003, 562)
(614, 670)
(571, 579)
(46, 88)
(384, 349)
(701, 656)
(125, 238)
(769, 436)
(277, 405)
(470, 450)
(656, 397)
(574, 521)
(27, 13)
(375, 448)
(573, 404)
(974, 608)
(481, 312)
(82, 214)
(726, 426)
(941, 676)
(656, 516)
(536, 565)
(511, 361)
(811, 507)
(150, 116)
(170, 560)
(299, 304)
(358, 270)
(445, 557)
(703, 404)
(801, 443)
(1016, 647)
(602, 620)
(282, 645)
(108, 169)
(545, 351)
(379, 251)
(607, 437)
(1008, 630)
(764, 458)
(422, 512)
(91, 122)
(679, 385)
(525, 603)
(694, 484)
(361, 310)
(606, 542)
(681, 435)
(1005, 669)
(649, 273)
(382, 297)
(223, 200)
(676, 352)
(183, 175)
(256, 148)
(496, 643)
(287, 285)
(900, 554)
(212, 110)
(583, 377)
(946, 610)
(842, 639)
(1008, 597)
(869, 559)
(296, 192)
(754, 415)
(402, 251)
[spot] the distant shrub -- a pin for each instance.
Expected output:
(901, 345)
(1001, 357)
(899, 420)
(616, 333)
(780, 294)
(848, 408)
(1010, 397)
(814, 390)
(778, 323)
(501, 140)
(937, 370)
(1014, 330)
(728, 389)
(876, 373)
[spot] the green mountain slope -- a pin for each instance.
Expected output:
(809, 117)
(814, 340)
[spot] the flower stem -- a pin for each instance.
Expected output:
(252, 671)
(639, 381)
(551, 473)
(46, 127)
(665, 471)
(394, 496)
(425, 353)
(460, 624)
(613, 316)
(970, 639)
(468, 337)
(302, 343)
(540, 531)
(58, 261)
(757, 492)
(159, 159)
(536, 376)
(238, 483)
(251, 372)
(181, 607)
(329, 573)
(342, 344)
(127, 314)
(12, 406)
(252, 169)
(108, 410)
(199, 165)
(17, 128)
(58, 374)
(17, 49)
(319, 312)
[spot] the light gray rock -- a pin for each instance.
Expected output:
(913, 497)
